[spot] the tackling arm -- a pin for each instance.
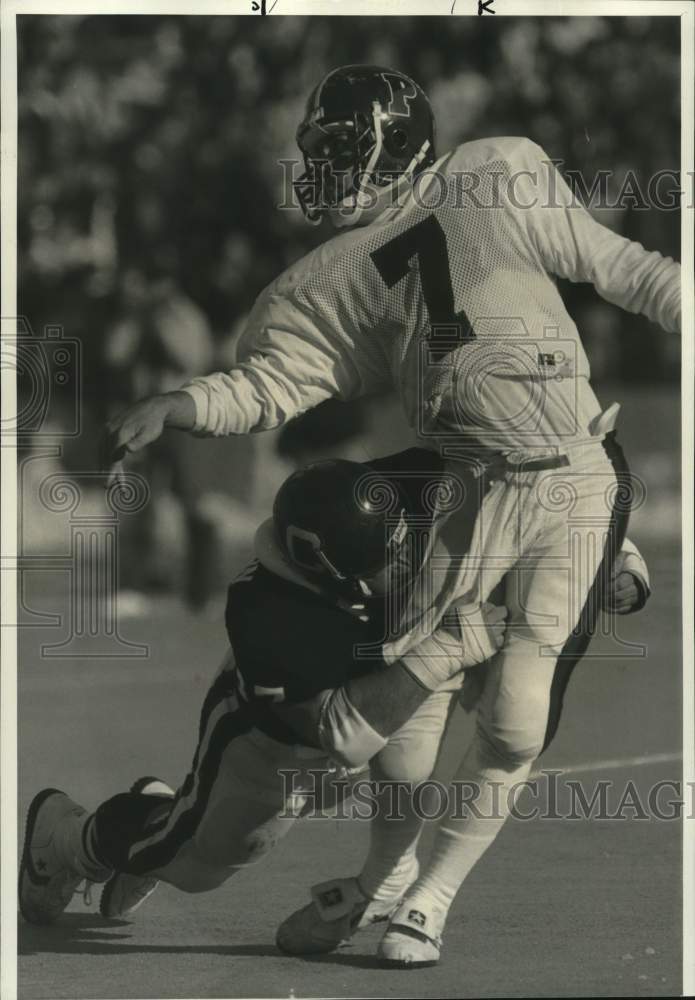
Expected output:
(353, 722)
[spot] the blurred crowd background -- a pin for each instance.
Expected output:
(149, 185)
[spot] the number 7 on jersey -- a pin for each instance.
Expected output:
(427, 242)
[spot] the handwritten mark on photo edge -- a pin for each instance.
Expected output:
(484, 7)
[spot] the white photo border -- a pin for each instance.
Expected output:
(400, 8)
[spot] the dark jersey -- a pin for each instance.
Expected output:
(290, 642)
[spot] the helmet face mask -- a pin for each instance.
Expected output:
(312, 559)
(364, 126)
(334, 155)
(391, 572)
(334, 143)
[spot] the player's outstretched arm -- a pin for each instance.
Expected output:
(574, 245)
(257, 395)
(288, 359)
(244, 399)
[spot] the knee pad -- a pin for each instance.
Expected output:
(197, 868)
(191, 873)
(510, 747)
(237, 851)
(513, 717)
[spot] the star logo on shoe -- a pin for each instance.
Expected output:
(415, 917)
(41, 865)
(331, 898)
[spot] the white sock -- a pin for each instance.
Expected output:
(390, 863)
(461, 842)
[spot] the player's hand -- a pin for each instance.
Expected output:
(624, 595)
(480, 628)
(131, 430)
(468, 634)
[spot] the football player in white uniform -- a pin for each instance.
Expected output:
(441, 285)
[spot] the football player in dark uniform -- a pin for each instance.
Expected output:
(306, 691)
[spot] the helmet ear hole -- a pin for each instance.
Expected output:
(396, 142)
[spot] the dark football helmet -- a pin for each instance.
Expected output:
(363, 125)
(341, 521)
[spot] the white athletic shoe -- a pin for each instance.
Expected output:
(413, 938)
(123, 894)
(47, 881)
(338, 910)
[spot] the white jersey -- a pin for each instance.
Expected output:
(469, 254)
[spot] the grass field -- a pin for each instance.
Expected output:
(556, 907)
